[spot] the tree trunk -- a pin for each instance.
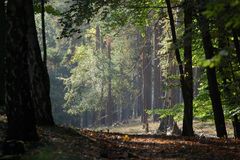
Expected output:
(211, 75)
(236, 126)
(186, 88)
(19, 102)
(157, 103)
(197, 76)
(3, 32)
(110, 108)
(147, 76)
(99, 120)
(38, 75)
(188, 85)
(98, 39)
(44, 32)
(140, 76)
(171, 95)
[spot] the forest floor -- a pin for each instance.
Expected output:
(61, 143)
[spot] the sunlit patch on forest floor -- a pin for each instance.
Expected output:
(59, 143)
(206, 128)
(62, 143)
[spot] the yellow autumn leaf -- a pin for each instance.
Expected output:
(126, 138)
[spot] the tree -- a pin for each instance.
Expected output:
(19, 102)
(109, 107)
(2, 51)
(186, 79)
(139, 76)
(43, 32)
(211, 73)
(40, 83)
(147, 75)
(188, 84)
(157, 103)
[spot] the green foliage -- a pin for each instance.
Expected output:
(213, 62)
(227, 12)
(175, 111)
(48, 9)
(202, 103)
(79, 72)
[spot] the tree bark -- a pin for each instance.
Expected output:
(38, 75)
(188, 85)
(110, 108)
(185, 75)
(3, 31)
(98, 39)
(211, 74)
(140, 76)
(19, 102)
(157, 103)
(44, 32)
(147, 76)
(236, 126)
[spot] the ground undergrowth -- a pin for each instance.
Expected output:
(62, 143)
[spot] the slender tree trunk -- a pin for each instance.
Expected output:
(147, 76)
(98, 39)
(188, 86)
(197, 76)
(140, 95)
(110, 108)
(236, 126)
(44, 32)
(3, 31)
(38, 75)
(98, 115)
(236, 121)
(19, 102)
(140, 76)
(211, 75)
(157, 74)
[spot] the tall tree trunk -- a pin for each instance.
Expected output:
(236, 121)
(38, 75)
(197, 76)
(110, 108)
(188, 86)
(98, 115)
(3, 29)
(102, 99)
(43, 32)
(140, 76)
(211, 74)
(147, 76)
(19, 102)
(157, 73)
(98, 38)
(236, 126)
(170, 98)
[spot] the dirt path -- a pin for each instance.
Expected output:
(60, 143)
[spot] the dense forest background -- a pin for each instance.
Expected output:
(123, 62)
(110, 62)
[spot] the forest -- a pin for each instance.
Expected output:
(119, 79)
